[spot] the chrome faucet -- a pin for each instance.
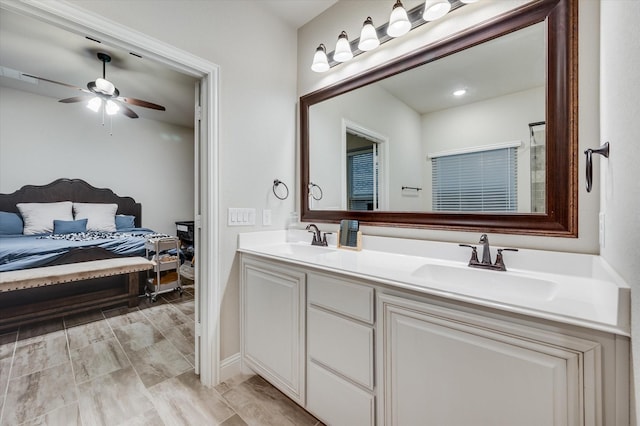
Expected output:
(318, 238)
(486, 250)
(485, 263)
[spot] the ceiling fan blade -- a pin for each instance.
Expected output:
(57, 82)
(127, 111)
(72, 100)
(141, 103)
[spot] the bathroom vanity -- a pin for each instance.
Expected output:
(404, 333)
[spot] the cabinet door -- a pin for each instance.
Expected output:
(443, 371)
(273, 325)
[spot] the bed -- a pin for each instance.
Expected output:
(44, 249)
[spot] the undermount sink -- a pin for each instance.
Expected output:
(299, 250)
(487, 283)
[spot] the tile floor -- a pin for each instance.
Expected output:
(127, 367)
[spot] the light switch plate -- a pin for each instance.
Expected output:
(241, 216)
(266, 217)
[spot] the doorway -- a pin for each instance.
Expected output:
(362, 173)
(207, 297)
(364, 168)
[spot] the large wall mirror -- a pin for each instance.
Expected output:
(395, 146)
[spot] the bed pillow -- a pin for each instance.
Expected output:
(38, 217)
(69, 226)
(101, 217)
(10, 223)
(124, 221)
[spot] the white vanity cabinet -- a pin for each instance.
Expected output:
(273, 324)
(356, 350)
(447, 367)
(340, 350)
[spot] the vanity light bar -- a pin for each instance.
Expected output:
(415, 17)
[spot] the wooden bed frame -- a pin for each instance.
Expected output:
(79, 296)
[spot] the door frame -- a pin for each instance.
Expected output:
(79, 21)
(382, 143)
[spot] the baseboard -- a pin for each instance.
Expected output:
(232, 366)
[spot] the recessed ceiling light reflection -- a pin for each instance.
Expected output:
(460, 92)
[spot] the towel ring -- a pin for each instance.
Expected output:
(276, 183)
(604, 151)
(311, 187)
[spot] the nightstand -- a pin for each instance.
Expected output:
(184, 231)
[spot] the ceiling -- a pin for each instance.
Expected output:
(509, 64)
(33, 47)
(297, 12)
(30, 46)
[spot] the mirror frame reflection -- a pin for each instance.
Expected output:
(560, 218)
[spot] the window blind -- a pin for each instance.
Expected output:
(362, 175)
(484, 181)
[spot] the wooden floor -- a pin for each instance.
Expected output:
(127, 367)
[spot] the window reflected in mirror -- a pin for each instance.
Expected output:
(362, 173)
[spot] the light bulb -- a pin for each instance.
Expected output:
(94, 104)
(343, 48)
(435, 9)
(320, 62)
(105, 86)
(111, 107)
(368, 36)
(398, 21)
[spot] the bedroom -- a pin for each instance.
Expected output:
(176, 194)
(149, 158)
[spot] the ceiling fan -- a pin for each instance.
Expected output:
(104, 94)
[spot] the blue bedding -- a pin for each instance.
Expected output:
(31, 251)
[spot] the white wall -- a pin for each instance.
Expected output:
(256, 53)
(497, 120)
(349, 15)
(42, 140)
(620, 110)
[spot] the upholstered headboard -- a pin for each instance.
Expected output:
(70, 190)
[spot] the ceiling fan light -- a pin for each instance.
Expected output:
(368, 36)
(111, 107)
(320, 62)
(343, 48)
(95, 104)
(105, 86)
(435, 9)
(399, 23)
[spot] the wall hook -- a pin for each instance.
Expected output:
(604, 151)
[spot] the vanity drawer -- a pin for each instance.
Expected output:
(342, 345)
(341, 296)
(336, 401)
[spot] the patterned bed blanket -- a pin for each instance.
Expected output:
(31, 251)
(99, 235)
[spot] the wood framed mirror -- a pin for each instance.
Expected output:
(557, 115)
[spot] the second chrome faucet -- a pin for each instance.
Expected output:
(486, 263)
(318, 238)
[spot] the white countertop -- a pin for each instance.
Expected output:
(571, 288)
